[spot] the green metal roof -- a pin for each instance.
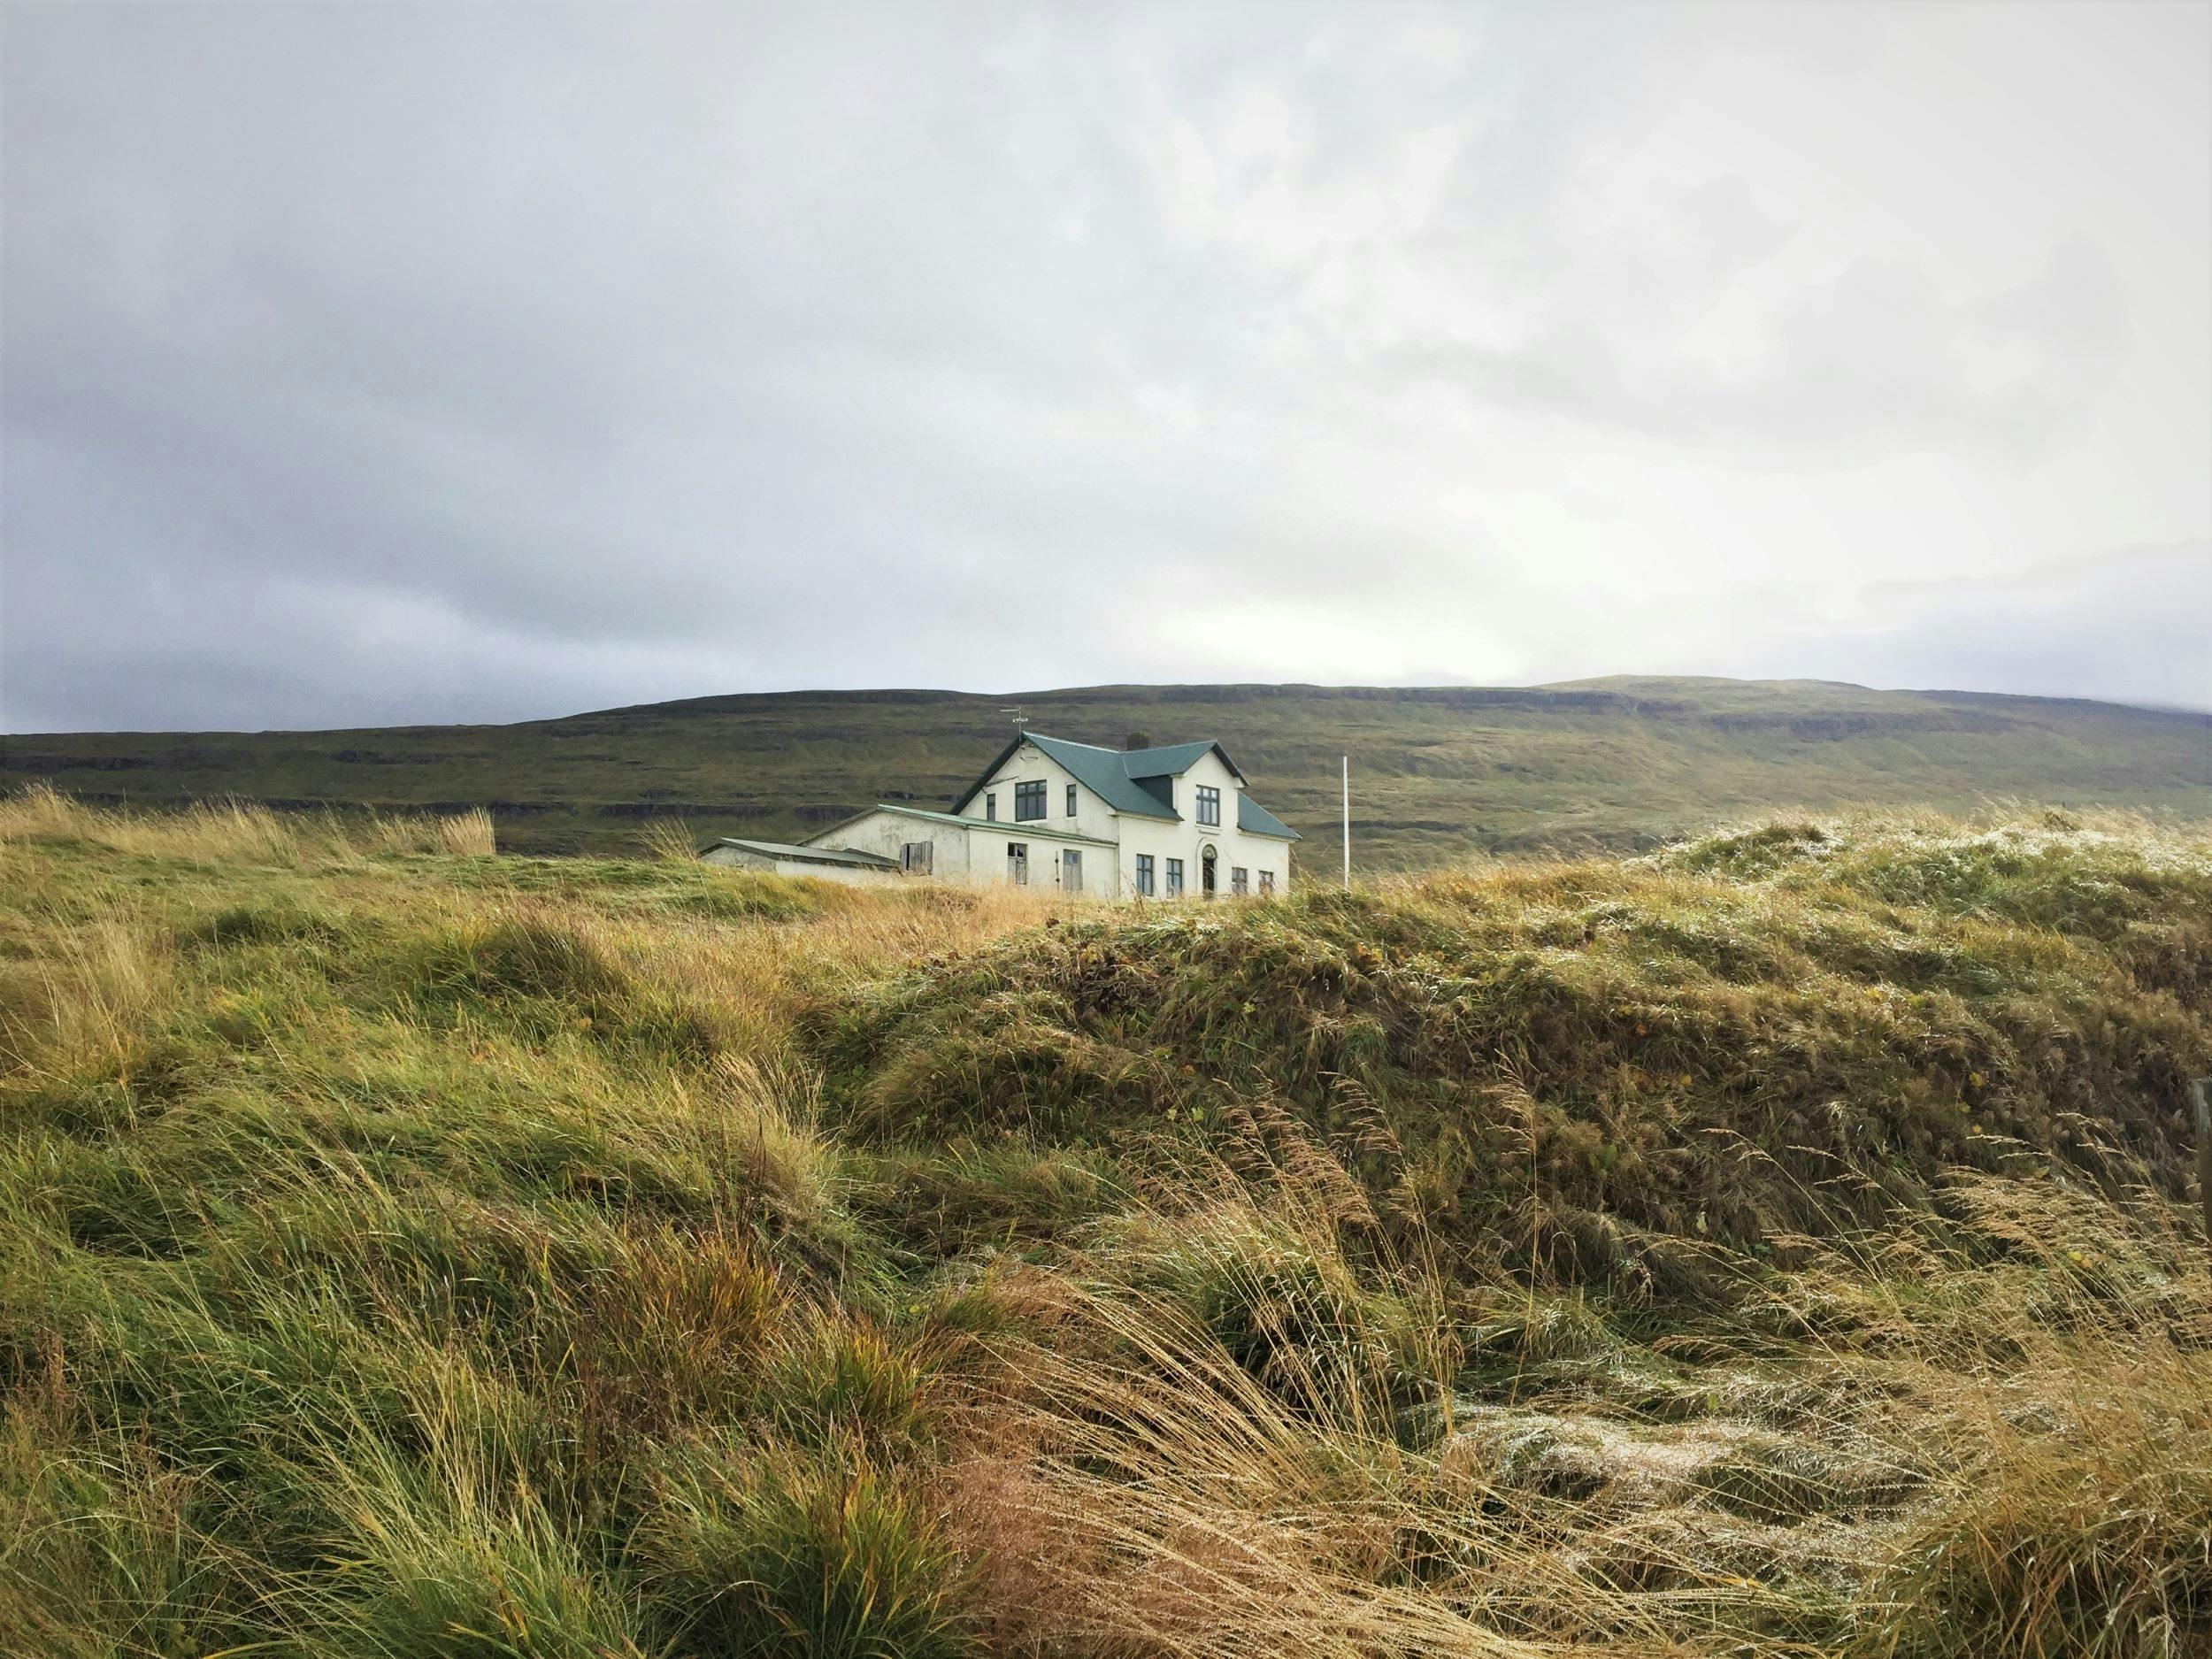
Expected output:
(1117, 777)
(1254, 819)
(1172, 760)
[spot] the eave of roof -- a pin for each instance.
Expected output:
(1030, 830)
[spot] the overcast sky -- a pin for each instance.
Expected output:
(372, 363)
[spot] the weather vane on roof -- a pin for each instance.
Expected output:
(1016, 715)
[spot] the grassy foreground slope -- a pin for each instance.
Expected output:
(1438, 773)
(1778, 1244)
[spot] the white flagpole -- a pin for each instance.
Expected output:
(1348, 823)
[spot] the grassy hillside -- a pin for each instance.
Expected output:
(1777, 1245)
(1438, 773)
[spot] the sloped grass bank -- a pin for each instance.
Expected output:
(1773, 1245)
(1736, 1040)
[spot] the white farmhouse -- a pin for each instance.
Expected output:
(1168, 823)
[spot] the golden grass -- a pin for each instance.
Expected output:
(238, 830)
(82, 1009)
(1149, 1494)
(669, 840)
(396, 1242)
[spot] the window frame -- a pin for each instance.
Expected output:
(990, 806)
(1144, 875)
(1209, 806)
(1267, 884)
(1071, 798)
(1175, 877)
(1240, 880)
(1030, 798)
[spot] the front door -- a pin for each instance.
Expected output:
(1206, 874)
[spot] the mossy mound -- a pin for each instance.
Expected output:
(1739, 1037)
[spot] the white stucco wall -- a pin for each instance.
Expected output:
(987, 845)
(1188, 840)
(1163, 841)
(977, 852)
(1232, 846)
(884, 833)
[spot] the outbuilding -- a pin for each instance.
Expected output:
(828, 863)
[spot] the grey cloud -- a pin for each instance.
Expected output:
(366, 363)
(1872, 360)
(2132, 620)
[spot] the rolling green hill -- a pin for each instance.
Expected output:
(1438, 772)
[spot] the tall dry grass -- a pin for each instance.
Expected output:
(239, 831)
(422, 1253)
(669, 840)
(83, 1008)
(1867, 1486)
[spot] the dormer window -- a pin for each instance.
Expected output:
(1209, 805)
(1029, 802)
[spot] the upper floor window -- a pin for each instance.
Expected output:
(990, 807)
(1029, 801)
(1071, 799)
(1209, 805)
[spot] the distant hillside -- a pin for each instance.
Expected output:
(1438, 772)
